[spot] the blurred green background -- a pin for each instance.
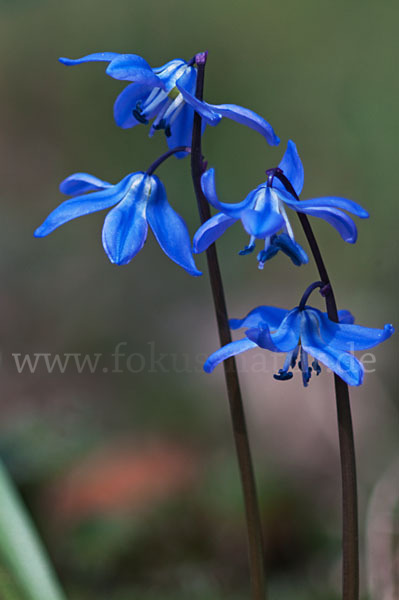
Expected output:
(131, 476)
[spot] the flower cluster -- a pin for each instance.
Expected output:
(168, 97)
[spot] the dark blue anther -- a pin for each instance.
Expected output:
(138, 115)
(265, 255)
(247, 250)
(316, 367)
(160, 125)
(283, 375)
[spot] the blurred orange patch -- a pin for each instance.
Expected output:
(122, 477)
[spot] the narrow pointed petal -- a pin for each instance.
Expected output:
(247, 117)
(131, 67)
(262, 223)
(210, 231)
(347, 366)
(169, 228)
(292, 167)
(125, 227)
(350, 337)
(83, 205)
(212, 113)
(232, 210)
(326, 202)
(262, 315)
(80, 183)
(126, 103)
(227, 351)
(345, 226)
(96, 57)
(284, 339)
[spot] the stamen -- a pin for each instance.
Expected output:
(304, 366)
(138, 114)
(247, 250)
(316, 367)
(283, 375)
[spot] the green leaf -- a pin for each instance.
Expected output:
(22, 554)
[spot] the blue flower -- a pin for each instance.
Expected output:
(302, 332)
(263, 213)
(151, 95)
(166, 94)
(139, 200)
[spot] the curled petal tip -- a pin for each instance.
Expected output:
(389, 330)
(208, 367)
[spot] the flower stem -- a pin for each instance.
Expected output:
(350, 534)
(151, 169)
(256, 556)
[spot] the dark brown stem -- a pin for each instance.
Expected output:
(256, 557)
(350, 534)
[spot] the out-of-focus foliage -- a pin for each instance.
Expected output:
(83, 447)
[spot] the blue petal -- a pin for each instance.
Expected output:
(326, 202)
(345, 316)
(83, 205)
(170, 72)
(351, 337)
(169, 228)
(266, 315)
(227, 351)
(338, 219)
(182, 128)
(202, 108)
(264, 220)
(80, 183)
(292, 167)
(232, 210)
(181, 131)
(130, 67)
(125, 227)
(336, 202)
(212, 113)
(210, 231)
(284, 339)
(247, 117)
(126, 103)
(347, 366)
(97, 56)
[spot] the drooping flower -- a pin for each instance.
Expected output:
(263, 213)
(165, 94)
(300, 333)
(139, 200)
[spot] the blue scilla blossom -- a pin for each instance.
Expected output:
(166, 95)
(152, 94)
(263, 213)
(299, 333)
(139, 200)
